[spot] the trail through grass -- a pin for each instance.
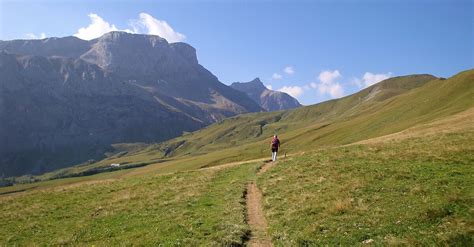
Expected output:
(412, 191)
(188, 208)
(255, 216)
(417, 191)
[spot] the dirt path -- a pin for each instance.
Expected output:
(255, 217)
(266, 167)
(231, 164)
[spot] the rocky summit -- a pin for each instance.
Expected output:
(66, 100)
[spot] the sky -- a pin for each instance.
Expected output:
(313, 50)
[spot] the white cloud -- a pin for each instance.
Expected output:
(145, 24)
(294, 91)
(30, 36)
(328, 77)
(328, 84)
(269, 87)
(370, 79)
(34, 36)
(150, 25)
(276, 76)
(96, 28)
(333, 89)
(289, 70)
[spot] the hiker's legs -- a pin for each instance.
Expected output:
(273, 155)
(275, 159)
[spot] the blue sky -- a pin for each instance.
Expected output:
(329, 48)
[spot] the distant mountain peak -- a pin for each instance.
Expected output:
(268, 99)
(255, 85)
(256, 80)
(139, 54)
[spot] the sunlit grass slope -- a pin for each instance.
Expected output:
(387, 107)
(188, 208)
(409, 188)
(416, 190)
(392, 170)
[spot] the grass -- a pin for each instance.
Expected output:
(189, 208)
(392, 167)
(416, 191)
(397, 104)
(385, 108)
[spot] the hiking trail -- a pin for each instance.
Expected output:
(255, 217)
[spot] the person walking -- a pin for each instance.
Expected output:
(275, 144)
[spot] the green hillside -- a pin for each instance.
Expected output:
(391, 165)
(387, 107)
(415, 191)
(413, 188)
(201, 207)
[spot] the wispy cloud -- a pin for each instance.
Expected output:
(96, 28)
(269, 87)
(276, 76)
(289, 70)
(150, 25)
(34, 36)
(369, 79)
(329, 84)
(329, 77)
(145, 24)
(294, 91)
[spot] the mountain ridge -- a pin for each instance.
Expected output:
(269, 100)
(140, 83)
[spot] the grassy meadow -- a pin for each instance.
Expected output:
(388, 107)
(416, 191)
(390, 165)
(410, 188)
(199, 207)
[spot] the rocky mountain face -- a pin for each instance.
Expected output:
(268, 99)
(63, 101)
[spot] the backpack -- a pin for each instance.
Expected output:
(275, 142)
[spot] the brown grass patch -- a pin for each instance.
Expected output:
(342, 206)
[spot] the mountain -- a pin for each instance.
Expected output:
(70, 47)
(268, 99)
(64, 100)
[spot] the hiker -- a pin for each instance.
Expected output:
(275, 144)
